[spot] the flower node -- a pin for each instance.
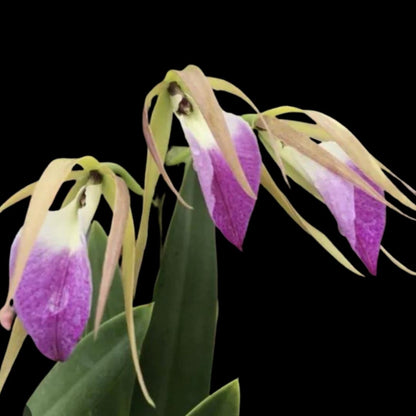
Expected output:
(174, 89)
(95, 177)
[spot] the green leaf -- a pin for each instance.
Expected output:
(27, 412)
(178, 350)
(81, 385)
(118, 400)
(224, 402)
(97, 243)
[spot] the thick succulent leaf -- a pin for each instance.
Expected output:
(178, 350)
(224, 402)
(95, 369)
(322, 239)
(17, 337)
(196, 84)
(160, 125)
(97, 243)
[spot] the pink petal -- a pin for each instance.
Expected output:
(54, 296)
(229, 206)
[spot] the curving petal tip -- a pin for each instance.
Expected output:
(228, 204)
(7, 315)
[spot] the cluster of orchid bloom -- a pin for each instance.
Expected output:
(50, 279)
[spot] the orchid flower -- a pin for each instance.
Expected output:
(50, 284)
(361, 218)
(228, 204)
(340, 172)
(224, 148)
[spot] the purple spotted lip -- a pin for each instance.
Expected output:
(229, 206)
(53, 298)
(361, 218)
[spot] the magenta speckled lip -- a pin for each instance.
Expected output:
(228, 204)
(361, 219)
(54, 297)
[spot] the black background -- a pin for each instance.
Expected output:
(298, 330)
